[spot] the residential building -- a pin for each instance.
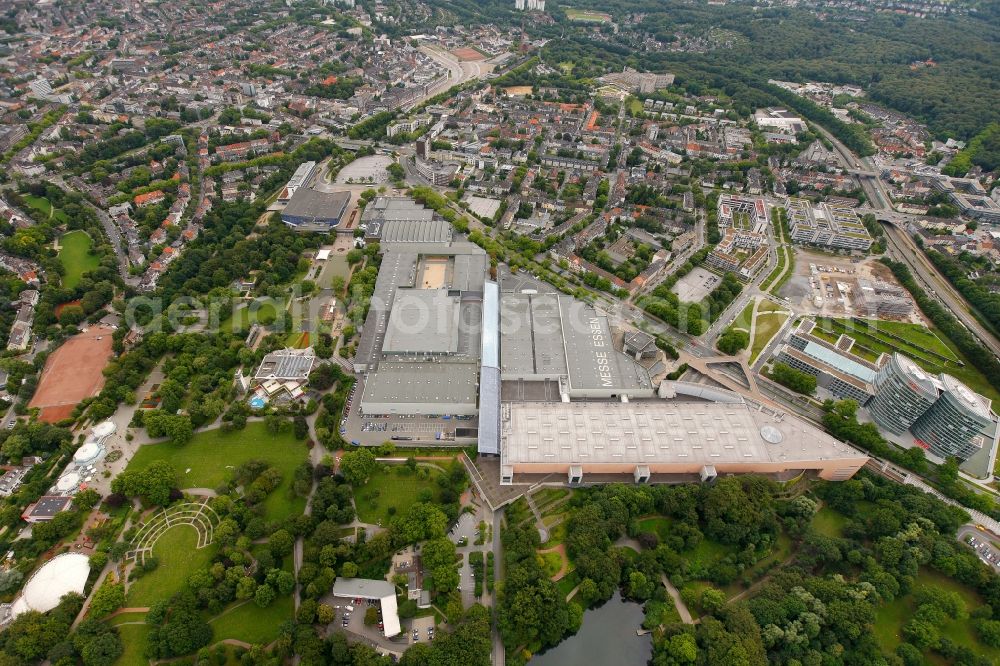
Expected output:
(826, 225)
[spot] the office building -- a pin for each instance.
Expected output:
(902, 393)
(436, 173)
(836, 369)
(953, 425)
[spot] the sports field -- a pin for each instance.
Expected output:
(73, 372)
(467, 53)
(587, 15)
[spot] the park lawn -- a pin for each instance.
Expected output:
(566, 584)
(134, 637)
(659, 525)
(767, 326)
(557, 535)
(297, 340)
(635, 106)
(768, 306)
(179, 556)
(127, 618)
(240, 317)
(44, 206)
(550, 519)
(251, 623)
(75, 257)
(829, 522)
(211, 456)
(587, 15)
(779, 268)
(394, 486)
(552, 563)
(918, 336)
(890, 618)
(707, 552)
(743, 320)
(546, 496)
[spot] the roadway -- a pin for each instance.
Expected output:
(902, 248)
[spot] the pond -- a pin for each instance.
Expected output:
(607, 638)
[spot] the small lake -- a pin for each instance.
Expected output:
(607, 638)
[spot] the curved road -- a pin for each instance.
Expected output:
(902, 248)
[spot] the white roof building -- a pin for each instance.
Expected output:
(364, 588)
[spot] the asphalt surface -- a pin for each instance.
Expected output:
(983, 543)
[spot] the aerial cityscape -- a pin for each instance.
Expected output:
(500, 332)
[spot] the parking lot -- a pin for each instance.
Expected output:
(464, 534)
(984, 546)
(421, 629)
(696, 285)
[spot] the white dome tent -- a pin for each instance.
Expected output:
(93, 448)
(59, 576)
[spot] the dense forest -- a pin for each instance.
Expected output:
(892, 547)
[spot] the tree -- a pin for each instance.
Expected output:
(732, 341)
(438, 557)
(325, 614)
(246, 587)
(639, 587)
(152, 484)
(989, 632)
(281, 543)
(300, 427)
(349, 570)
(264, 596)
(10, 580)
(108, 598)
(712, 600)
(371, 616)
(177, 627)
(104, 648)
(798, 381)
(357, 466)
(682, 648)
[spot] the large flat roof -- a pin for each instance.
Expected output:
(661, 431)
(419, 230)
(408, 383)
(591, 358)
(286, 364)
(531, 335)
(553, 335)
(422, 321)
(400, 267)
(315, 205)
